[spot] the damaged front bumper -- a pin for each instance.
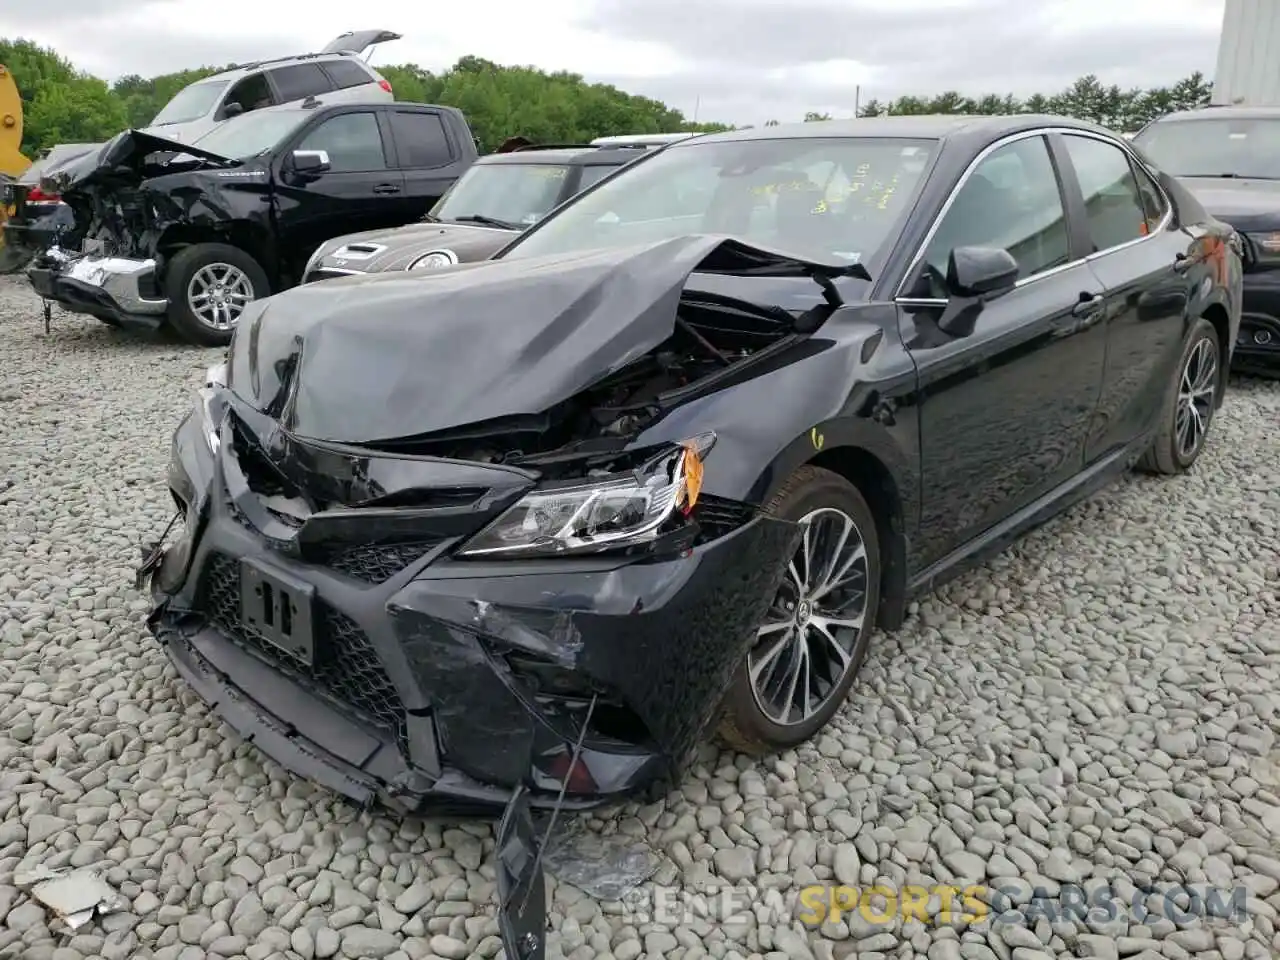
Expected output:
(421, 678)
(115, 289)
(392, 673)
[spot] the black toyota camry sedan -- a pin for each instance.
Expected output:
(526, 531)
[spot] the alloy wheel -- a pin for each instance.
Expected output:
(218, 294)
(811, 633)
(1196, 393)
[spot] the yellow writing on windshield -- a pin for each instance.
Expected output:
(862, 185)
(797, 185)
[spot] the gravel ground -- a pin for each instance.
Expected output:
(1099, 702)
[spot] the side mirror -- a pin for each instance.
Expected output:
(974, 275)
(310, 162)
(980, 271)
(233, 109)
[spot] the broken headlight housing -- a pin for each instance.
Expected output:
(435, 260)
(609, 512)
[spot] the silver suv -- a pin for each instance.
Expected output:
(336, 74)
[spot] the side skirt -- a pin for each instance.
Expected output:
(994, 541)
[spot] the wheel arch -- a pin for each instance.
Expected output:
(866, 459)
(1217, 315)
(241, 234)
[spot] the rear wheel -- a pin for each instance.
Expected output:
(208, 286)
(1189, 405)
(815, 636)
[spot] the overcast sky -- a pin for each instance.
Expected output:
(739, 61)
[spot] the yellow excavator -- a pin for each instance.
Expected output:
(12, 163)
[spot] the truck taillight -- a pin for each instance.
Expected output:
(385, 85)
(36, 195)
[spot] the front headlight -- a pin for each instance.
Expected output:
(435, 260)
(604, 514)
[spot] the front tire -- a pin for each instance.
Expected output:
(208, 286)
(815, 636)
(1189, 404)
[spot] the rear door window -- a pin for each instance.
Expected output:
(299, 81)
(1112, 200)
(347, 73)
(420, 139)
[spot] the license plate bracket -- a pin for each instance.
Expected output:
(279, 608)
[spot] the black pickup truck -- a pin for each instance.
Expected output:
(191, 233)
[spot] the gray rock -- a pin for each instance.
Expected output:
(359, 943)
(965, 865)
(450, 948)
(735, 863)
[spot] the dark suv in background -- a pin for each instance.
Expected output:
(1229, 157)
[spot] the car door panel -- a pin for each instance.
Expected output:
(1144, 334)
(1134, 254)
(1004, 411)
(351, 197)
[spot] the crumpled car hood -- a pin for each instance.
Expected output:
(78, 169)
(399, 355)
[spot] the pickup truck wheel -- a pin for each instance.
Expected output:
(208, 286)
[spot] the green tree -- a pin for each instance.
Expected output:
(60, 104)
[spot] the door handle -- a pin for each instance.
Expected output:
(386, 188)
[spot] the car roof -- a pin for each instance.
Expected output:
(1223, 113)
(242, 69)
(570, 156)
(952, 127)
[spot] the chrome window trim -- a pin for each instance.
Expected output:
(914, 264)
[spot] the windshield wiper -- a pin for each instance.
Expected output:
(1228, 176)
(486, 221)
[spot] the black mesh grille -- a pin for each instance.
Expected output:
(346, 667)
(718, 517)
(376, 562)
